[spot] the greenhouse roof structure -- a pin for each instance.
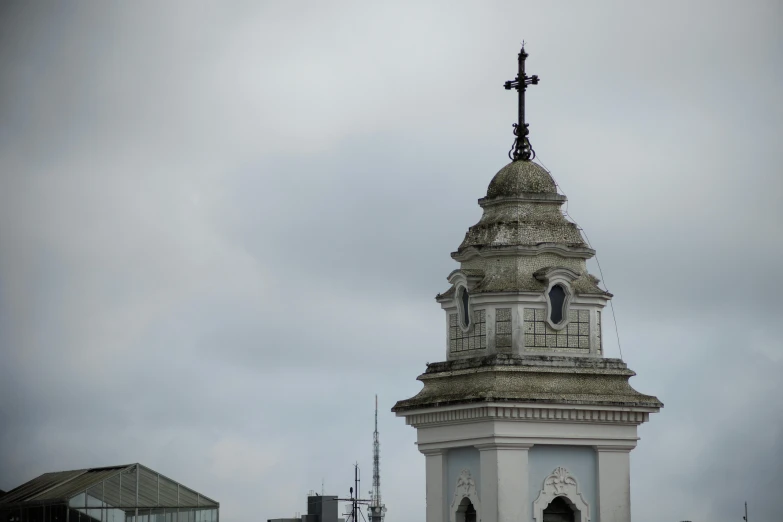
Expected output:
(133, 488)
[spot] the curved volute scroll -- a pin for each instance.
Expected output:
(465, 497)
(560, 483)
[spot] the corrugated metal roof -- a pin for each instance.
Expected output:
(58, 485)
(72, 487)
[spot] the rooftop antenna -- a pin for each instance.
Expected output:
(355, 513)
(521, 149)
(376, 509)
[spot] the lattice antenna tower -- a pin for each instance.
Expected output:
(376, 510)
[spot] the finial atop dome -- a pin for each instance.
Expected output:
(521, 150)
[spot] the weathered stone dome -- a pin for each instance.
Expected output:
(521, 177)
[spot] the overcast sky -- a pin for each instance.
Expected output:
(222, 227)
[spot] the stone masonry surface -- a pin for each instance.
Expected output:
(575, 337)
(473, 339)
(503, 330)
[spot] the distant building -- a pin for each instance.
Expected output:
(130, 493)
(320, 508)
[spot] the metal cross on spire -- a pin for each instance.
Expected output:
(521, 150)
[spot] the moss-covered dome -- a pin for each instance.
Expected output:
(521, 177)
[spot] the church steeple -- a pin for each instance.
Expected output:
(525, 410)
(522, 254)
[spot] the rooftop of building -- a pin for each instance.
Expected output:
(123, 486)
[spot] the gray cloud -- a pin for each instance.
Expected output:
(218, 222)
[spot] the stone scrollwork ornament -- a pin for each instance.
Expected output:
(465, 484)
(559, 480)
(465, 489)
(560, 483)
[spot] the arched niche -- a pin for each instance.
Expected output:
(465, 498)
(466, 511)
(560, 483)
(559, 510)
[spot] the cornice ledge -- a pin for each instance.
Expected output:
(524, 197)
(612, 448)
(443, 374)
(527, 361)
(620, 415)
(433, 451)
(562, 249)
(503, 445)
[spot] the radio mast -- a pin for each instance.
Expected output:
(376, 510)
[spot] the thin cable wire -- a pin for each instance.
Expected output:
(600, 271)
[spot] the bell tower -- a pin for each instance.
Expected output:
(525, 420)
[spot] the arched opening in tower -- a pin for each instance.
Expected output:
(557, 297)
(465, 511)
(558, 511)
(465, 297)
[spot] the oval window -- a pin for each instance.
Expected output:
(557, 295)
(463, 303)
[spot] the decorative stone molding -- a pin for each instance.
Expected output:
(552, 276)
(465, 277)
(471, 252)
(569, 294)
(560, 483)
(529, 381)
(465, 489)
(593, 416)
(462, 280)
(464, 308)
(551, 273)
